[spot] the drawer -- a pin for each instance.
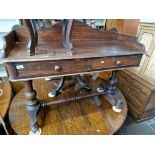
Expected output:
(132, 80)
(137, 93)
(116, 62)
(49, 68)
(130, 97)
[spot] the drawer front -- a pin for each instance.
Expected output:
(116, 62)
(136, 93)
(129, 95)
(49, 68)
(135, 83)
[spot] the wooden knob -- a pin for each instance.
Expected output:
(57, 68)
(118, 62)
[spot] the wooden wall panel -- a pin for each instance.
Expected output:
(127, 26)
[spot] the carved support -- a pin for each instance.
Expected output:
(33, 40)
(33, 107)
(112, 83)
(56, 91)
(66, 32)
(112, 94)
(82, 83)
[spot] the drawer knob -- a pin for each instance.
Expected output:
(57, 68)
(102, 62)
(118, 62)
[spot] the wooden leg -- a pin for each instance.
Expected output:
(56, 91)
(113, 92)
(82, 83)
(33, 107)
(112, 83)
(113, 95)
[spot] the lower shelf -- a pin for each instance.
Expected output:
(75, 118)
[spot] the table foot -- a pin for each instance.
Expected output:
(58, 88)
(114, 108)
(82, 84)
(38, 132)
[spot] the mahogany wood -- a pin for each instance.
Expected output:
(47, 68)
(33, 105)
(33, 39)
(94, 50)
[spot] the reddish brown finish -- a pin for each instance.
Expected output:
(9, 41)
(88, 43)
(48, 68)
(91, 46)
(94, 50)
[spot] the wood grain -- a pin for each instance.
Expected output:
(74, 66)
(139, 92)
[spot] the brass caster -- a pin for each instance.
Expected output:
(37, 133)
(116, 109)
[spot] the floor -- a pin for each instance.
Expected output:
(130, 127)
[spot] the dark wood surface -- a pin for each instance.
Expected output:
(54, 51)
(125, 26)
(39, 69)
(115, 50)
(5, 98)
(139, 92)
(94, 51)
(79, 117)
(87, 42)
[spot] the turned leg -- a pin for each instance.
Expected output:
(56, 91)
(112, 94)
(33, 107)
(109, 87)
(82, 83)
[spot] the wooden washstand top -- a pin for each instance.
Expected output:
(82, 50)
(87, 43)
